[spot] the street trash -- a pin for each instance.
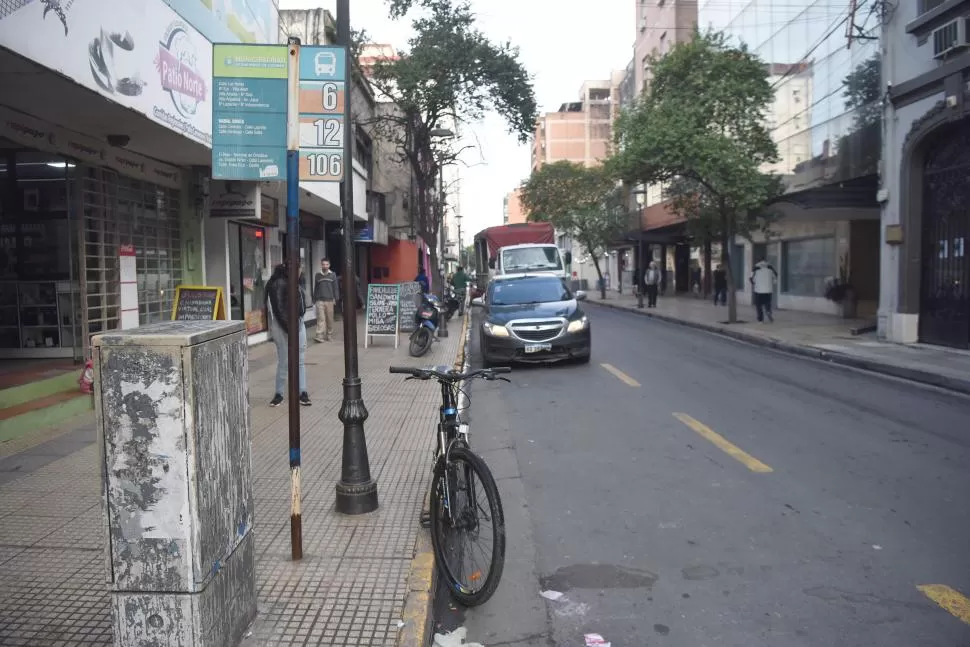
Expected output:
(596, 640)
(877, 547)
(551, 595)
(454, 639)
(400, 623)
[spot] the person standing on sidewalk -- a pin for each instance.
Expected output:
(276, 297)
(763, 284)
(720, 286)
(651, 281)
(326, 292)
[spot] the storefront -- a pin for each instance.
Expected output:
(247, 283)
(64, 222)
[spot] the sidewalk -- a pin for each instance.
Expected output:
(352, 584)
(820, 336)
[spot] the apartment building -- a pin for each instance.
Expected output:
(925, 260)
(580, 131)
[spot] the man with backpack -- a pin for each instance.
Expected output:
(277, 306)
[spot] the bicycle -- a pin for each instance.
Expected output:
(455, 507)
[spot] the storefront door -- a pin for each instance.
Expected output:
(247, 286)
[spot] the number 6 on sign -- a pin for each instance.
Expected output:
(325, 164)
(329, 91)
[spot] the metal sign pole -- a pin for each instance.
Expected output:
(292, 291)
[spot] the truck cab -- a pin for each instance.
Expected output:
(531, 259)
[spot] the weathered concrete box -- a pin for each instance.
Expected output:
(172, 408)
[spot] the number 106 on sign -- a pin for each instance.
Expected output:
(321, 165)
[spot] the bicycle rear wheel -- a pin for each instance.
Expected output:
(463, 525)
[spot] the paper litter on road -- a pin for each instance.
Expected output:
(454, 639)
(596, 640)
(877, 546)
(551, 595)
(400, 623)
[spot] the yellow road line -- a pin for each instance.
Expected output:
(620, 375)
(723, 444)
(950, 599)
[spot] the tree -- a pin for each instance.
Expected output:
(452, 74)
(583, 202)
(701, 129)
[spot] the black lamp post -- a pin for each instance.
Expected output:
(442, 133)
(356, 490)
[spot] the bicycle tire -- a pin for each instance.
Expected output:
(464, 454)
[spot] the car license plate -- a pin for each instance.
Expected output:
(537, 348)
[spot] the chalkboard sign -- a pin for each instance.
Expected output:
(382, 311)
(409, 305)
(198, 303)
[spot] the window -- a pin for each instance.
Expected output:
(806, 265)
(364, 150)
(528, 291)
(928, 5)
(247, 289)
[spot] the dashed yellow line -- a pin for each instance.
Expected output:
(724, 445)
(620, 375)
(950, 599)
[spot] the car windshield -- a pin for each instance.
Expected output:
(531, 258)
(528, 291)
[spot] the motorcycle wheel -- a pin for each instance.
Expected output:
(421, 340)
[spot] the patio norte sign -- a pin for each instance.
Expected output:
(141, 55)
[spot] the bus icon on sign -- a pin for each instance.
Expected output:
(325, 63)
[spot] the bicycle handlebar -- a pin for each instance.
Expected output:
(449, 376)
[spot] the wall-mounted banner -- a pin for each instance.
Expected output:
(35, 133)
(322, 95)
(141, 55)
(231, 199)
(249, 112)
(224, 21)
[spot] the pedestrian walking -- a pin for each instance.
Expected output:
(651, 280)
(277, 302)
(720, 285)
(326, 293)
(763, 284)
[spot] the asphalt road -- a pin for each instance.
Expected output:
(688, 490)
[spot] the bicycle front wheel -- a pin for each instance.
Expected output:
(467, 527)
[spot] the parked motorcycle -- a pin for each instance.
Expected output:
(452, 303)
(427, 318)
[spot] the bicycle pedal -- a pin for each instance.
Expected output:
(425, 520)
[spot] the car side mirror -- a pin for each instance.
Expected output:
(580, 295)
(478, 302)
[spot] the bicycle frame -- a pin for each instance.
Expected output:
(449, 434)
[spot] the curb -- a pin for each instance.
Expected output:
(422, 580)
(957, 385)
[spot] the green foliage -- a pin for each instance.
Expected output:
(581, 201)
(701, 128)
(450, 74)
(702, 123)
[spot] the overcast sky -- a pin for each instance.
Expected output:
(563, 43)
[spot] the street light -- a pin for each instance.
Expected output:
(442, 133)
(356, 491)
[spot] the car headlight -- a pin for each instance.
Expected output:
(579, 324)
(495, 330)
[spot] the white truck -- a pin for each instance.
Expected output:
(530, 258)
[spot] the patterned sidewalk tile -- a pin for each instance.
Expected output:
(350, 587)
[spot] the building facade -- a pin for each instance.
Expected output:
(825, 121)
(925, 187)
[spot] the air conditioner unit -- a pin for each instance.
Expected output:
(951, 37)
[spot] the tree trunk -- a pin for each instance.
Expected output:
(707, 267)
(732, 296)
(599, 276)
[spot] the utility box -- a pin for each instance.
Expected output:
(174, 426)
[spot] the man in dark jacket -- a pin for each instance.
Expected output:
(276, 297)
(326, 292)
(720, 286)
